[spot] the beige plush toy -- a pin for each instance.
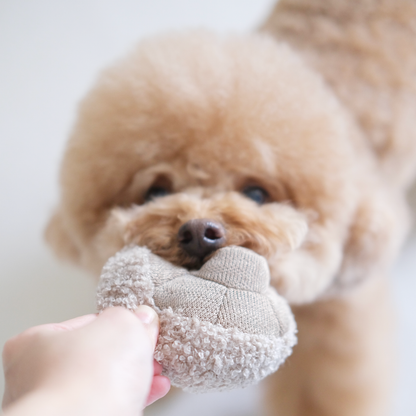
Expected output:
(221, 327)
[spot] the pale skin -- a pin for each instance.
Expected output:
(94, 364)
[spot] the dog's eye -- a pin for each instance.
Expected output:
(155, 192)
(256, 193)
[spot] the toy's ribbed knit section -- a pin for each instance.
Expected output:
(238, 269)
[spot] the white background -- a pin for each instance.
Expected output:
(50, 52)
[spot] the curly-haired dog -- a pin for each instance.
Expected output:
(301, 153)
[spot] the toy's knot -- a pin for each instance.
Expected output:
(237, 268)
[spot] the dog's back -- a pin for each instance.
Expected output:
(366, 51)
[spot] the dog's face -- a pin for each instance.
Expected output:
(195, 142)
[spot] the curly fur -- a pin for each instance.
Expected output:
(207, 115)
(203, 125)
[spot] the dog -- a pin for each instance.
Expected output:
(277, 141)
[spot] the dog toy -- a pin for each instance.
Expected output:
(221, 327)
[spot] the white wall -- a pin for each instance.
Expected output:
(50, 52)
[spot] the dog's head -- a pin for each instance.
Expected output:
(196, 141)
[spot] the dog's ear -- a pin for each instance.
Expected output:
(59, 238)
(375, 235)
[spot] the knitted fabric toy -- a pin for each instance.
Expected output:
(221, 327)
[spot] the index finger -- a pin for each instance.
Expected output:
(64, 326)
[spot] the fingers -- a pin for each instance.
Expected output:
(119, 316)
(68, 325)
(157, 385)
(157, 368)
(78, 322)
(146, 315)
(160, 384)
(60, 351)
(151, 321)
(159, 388)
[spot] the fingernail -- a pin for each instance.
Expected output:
(146, 314)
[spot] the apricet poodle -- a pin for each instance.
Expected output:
(296, 142)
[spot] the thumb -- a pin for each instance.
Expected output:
(150, 319)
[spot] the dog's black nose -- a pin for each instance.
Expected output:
(201, 237)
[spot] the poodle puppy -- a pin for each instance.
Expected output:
(196, 141)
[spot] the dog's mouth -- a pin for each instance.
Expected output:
(194, 263)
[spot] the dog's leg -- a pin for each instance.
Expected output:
(366, 52)
(342, 365)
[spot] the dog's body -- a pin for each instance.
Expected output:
(242, 132)
(366, 52)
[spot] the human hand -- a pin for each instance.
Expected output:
(88, 365)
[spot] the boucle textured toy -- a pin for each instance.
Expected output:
(221, 327)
